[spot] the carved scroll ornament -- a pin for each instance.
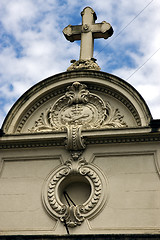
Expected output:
(74, 214)
(79, 107)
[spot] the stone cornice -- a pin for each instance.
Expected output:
(108, 136)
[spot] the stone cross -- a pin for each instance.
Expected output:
(87, 32)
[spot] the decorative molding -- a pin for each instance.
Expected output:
(79, 107)
(81, 64)
(119, 97)
(95, 87)
(98, 139)
(157, 162)
(75, 168)
(32, 144)
(122, 139)
(36, 106)
(74, 139)
(57, 91)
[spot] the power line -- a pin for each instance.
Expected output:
(124, 28)
(143, 63)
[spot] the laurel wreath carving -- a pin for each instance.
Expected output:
(97, 189)
(73, 215)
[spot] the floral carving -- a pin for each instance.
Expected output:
(113, 118)
(73, 215)
(89, 64)
(77, 93)
(79, 107)
(42, 124)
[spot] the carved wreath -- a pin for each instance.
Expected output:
(74, 215)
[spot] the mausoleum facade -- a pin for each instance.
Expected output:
(80, 156)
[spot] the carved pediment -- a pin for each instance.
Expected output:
(92, 100)
(79, 107)
(73, 110)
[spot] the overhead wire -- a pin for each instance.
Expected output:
(122, 31)
(124, 28)
(143, 63)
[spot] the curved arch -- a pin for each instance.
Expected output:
(56, 85)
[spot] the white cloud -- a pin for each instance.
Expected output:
(32, 46)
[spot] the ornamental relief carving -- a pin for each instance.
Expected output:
(79, 107)
(75, 170)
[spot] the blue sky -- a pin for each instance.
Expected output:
(32, 45)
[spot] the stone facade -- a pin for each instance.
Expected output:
(80, 155)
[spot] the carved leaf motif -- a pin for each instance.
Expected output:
(113, 118)
(74, 215)
(41, 125)
(78, 107)
(77, 93)
(84, 64)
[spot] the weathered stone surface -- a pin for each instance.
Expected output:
(80, 155)
(87, 32)
(84, 65)
(86, 133)
(32, 107)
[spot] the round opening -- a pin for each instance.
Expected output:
(74, 190)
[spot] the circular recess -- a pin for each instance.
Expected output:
(74, 189)
(74, 192)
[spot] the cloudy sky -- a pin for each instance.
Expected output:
(32, 45)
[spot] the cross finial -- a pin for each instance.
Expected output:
(87, 32)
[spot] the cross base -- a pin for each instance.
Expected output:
(89, 64)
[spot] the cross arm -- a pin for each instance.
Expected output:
(102, 30)
(72, 33)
